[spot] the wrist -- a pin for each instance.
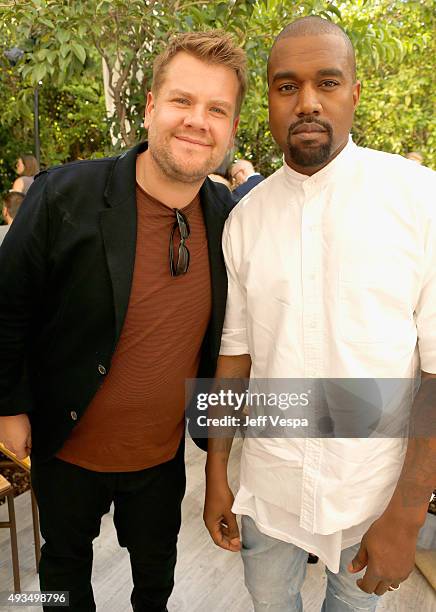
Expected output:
(410, 518)
(216, 472)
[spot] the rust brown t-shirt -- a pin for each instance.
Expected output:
(136, 418)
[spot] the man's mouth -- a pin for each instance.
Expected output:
(309, 128)
(194, 141)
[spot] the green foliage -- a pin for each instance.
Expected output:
(65, 42)
(73, 125)
(396, 112)
(73, 121)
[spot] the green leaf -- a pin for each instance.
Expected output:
(375, 57)
(46, 22)
(41, 54)
(63, 36)
(64, 62)
(79, 52)
(400, 48)
(65, 49)
(334, 9)
(26, 70)
(39, 72)
(51, 56)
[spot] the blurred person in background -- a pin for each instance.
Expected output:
(11, 203)
(244, 178)
(27, 167)
(415, 156)
(219, 178)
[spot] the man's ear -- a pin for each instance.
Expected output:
(6, 216)
(233, 134)
(149, 109)
(356, 93)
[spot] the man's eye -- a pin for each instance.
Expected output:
(329, 84)
(287, 87)
(182, 100)
(217, 109)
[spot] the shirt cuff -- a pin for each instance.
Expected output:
(234, 342)
(427, 358)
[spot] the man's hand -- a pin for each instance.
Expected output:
(16, 435)
(388, 547)
(387, 551)
(219, 518)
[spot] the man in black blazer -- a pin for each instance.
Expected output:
(244, 178)
(99, 320)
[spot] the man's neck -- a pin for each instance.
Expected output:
(172, 193)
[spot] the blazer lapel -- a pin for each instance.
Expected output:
(214, 218)
(118, 227)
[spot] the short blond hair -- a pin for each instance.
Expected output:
(212, 47)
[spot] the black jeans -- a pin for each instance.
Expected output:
(147, 517)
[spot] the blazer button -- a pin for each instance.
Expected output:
(102, 369)
(73, 415)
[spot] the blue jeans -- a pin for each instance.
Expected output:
(275, 571)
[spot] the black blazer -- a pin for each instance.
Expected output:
(66, 270)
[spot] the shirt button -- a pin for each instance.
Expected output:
(102, 369)
(73, 415)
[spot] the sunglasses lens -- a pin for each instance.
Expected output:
(183, 260)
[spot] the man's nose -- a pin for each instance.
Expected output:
(197, 118)
(308, 102)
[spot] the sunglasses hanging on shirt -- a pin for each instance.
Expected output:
(181, 265)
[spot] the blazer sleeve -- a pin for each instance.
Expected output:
(23, 264)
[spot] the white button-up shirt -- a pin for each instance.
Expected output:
(330, 276)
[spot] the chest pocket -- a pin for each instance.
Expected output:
(375, 300)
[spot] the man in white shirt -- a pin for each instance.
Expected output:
(332, 274)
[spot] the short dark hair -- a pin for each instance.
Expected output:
(313, 25)
(12, 202)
